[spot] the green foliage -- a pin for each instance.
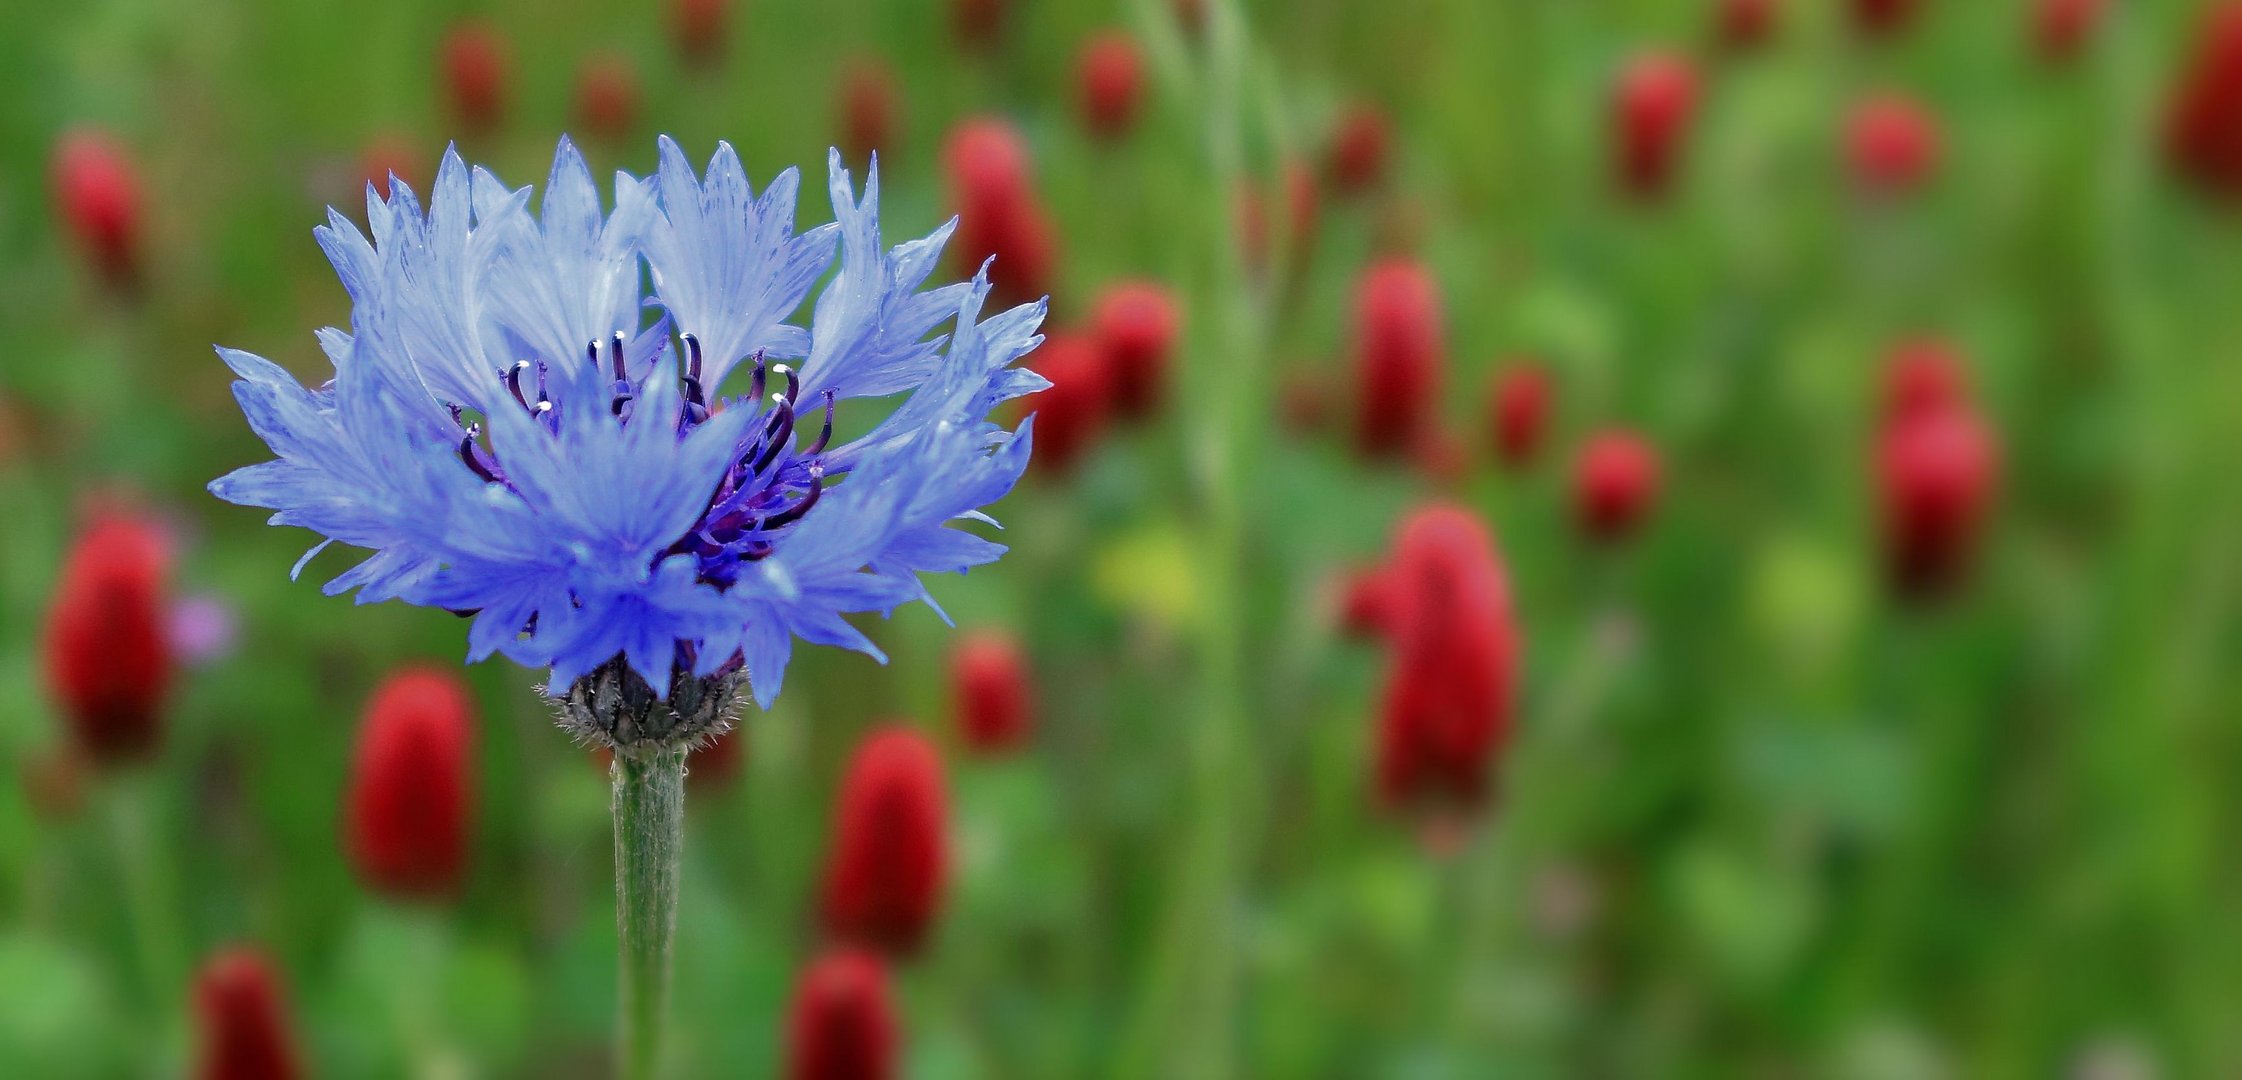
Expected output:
(1760, 820)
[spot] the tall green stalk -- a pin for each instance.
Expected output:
(1185, 1026)
(140, 872)
(649, 806)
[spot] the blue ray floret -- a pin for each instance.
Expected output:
(519, 432)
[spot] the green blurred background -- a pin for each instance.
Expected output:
(1759, 819)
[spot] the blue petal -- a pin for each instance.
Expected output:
(726, 265)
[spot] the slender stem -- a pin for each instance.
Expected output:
(1186, 1024)
(649, 840)
(422, 935)
(147, 897)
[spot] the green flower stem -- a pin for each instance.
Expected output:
(156, 935)
(649, 808)
(1186, 1024)
(420, 937)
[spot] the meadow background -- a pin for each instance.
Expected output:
(1759, 818)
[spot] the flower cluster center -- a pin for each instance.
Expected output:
(771, 483)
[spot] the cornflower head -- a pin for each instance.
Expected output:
(652, 518)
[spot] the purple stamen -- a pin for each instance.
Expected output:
(472, 455)
(514, 382)
(762, 491)
(794, 513)
(620, 392)
(696, 398)
(825, 434)
(780, 432)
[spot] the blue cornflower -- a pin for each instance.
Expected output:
(516, 440)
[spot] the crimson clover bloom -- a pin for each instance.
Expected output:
(890, 859)
(246, 1029)
(843, 1024)
(408, 809)
(991, 694)
(515, 434)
